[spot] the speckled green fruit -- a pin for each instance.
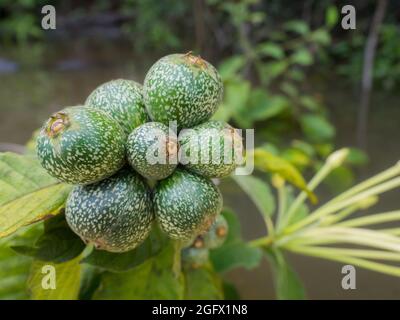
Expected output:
(152, 150)
(114, 214)
(81, 145)
(215, 236)
(184, 88)
(122, 100)
(212, 149)
(194, 258)
(186, 204)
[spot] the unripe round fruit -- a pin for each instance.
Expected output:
(152, 150)
(186, 204)
(81, 145)
(184, 88)
(122, 100)
(215, 236)
(213, 149)
(194, 258)
(114, 214)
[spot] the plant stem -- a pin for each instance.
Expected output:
(372, 219)
(333, 161)
(261, 242)
(322, 253)
(176, 265)
(392, 231)
(359, 253)
(317, 232)
(270, 226)
(345, 235)
(379, 178)
(362, 205)
(330, 220)
(333, 207)
(279, 184)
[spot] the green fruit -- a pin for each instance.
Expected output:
(194, 258)
(215, 236)
(122, 100)
(153, 150)
(184, 88)
(114, 214)
(212, 149)
(81, 145)
(186, 204)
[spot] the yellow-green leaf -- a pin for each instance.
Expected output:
(14, 268)
(202, 283)
(28, 194)
(153, 279)
(266, 161)
(67, 279)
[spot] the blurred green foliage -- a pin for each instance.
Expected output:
(349, 53)
(266, 49)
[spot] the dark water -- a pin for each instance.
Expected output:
(36, 81)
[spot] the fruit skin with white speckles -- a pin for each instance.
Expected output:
(152, 150)
(213, 149)
(122, 100)
(114, 214)
(184, 88)
(186, 204)
(81, 145)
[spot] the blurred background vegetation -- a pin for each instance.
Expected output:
(289, 69)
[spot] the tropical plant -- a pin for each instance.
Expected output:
(30, 196)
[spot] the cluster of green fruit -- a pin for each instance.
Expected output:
(103, 148)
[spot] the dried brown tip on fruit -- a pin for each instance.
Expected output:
(57, 123)
(221, 232)
(198, 243)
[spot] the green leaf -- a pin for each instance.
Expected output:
(316, 128)
(14, 269)
(153, 279)
(356, 157)
(263, 107)
(296, 157)
(202, 284)
(234, 252)
(289, 89)
(271, 49)
(288, 286)
(67, 280)
(331, 16)
(340, 179)
(266, 161)
(224, 113)
(90, 281)
(236, 96)
(234, 255)
(310, 103)
(269, 71)
(321, 37)
(230, 291)
(305, 147)
(58, 243)
(259, 192)
(301, 212)
(28, 193)
(297, 26)
(230, 67)
(302, 57)
(234, 233)
(118, 262)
